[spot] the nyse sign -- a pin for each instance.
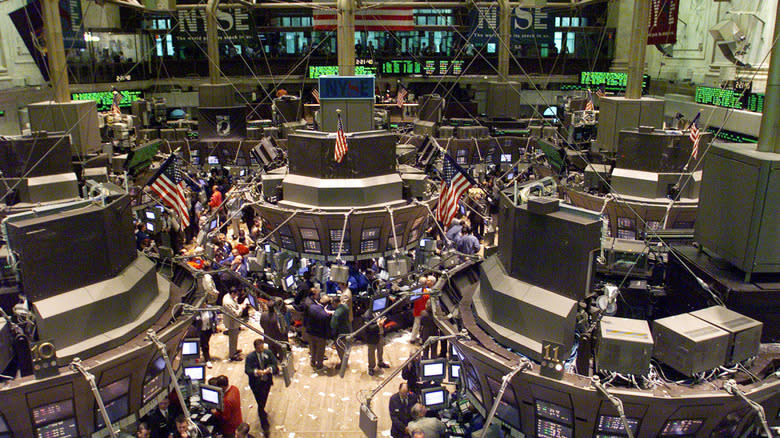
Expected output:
(527, 26)
(192, 24)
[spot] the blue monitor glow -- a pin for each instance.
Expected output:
(242, 172)
(196, 373)
(506, 158)
(416, 294)
(454, 371)
(289, 282)
(551, 111)
(491, 47)
(252, 301)
(379, 304)
(213, 224)
(211, 397)
(434, 398)
(213, 160)
(267, 248)
(150, 215)
(190, 348)
(289, 264)
(150, 227)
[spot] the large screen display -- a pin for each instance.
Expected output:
(105, 99)
(52, 412)
(553, 412)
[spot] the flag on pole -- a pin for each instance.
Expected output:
(695, 136)
(341, 143)
(400, 98)
(600, 93)
(168, 183)
(589, 103)
(455, 182)
(316, 94)
(116, 99)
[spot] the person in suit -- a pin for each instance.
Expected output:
(160, 419)
(274, 326)
(339, 325)
(319, 331)
(375, 342)
(401, 410)
(206, 323)
(260, 367)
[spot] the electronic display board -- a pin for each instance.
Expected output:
(682, 427)
(608, 81)
(755, 102)
(52, 412)
(59, 429)
(731, 136)
(721, 97)
(105, 99)
(401, 67)
(612, 424)
(315, 71)
(553, 412)
(548, 429)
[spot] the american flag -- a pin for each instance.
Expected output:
(316, 94)
(600, 93)
(168, 183)
(589, 103)
(116, 98)
(341, 143)
(454, 184)
(695, 136)
(382, 19)
(400, 98)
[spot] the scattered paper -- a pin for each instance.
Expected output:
(385, 433)
(387, 394)
(331, 410)
(344, 398)
(321, 394)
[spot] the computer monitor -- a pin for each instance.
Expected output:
(242, 172)
(416, 294)
(289, 265)
(150, 227)
(506, 158)
(211, 397)
(190, 348)
(214, 223)
(379, 304)
(268, 248)
(433, 369)
(151, 215)
(196, 373)
(434, 398)
(453, 371)
(252, 300)
(213, 160)
(289, 282)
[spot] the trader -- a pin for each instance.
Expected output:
(260, 367)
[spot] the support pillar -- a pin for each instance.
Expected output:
(212, 40)
(768, 135)
(636, 62)
(504, 32)
(345, 37)
(58, 70)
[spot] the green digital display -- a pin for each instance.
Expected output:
(731, 136)
(315, 71)
(755, 103)
(608, 81)
(722, 97)
(104, 99)
(430, 67)
(401, 67)
(2, 113)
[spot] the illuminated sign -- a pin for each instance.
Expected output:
(721, 97)
(104, 99)
(315, 71)
(731, 136)
(755, 103)
(346, 87)
(608, 81)
(2, 113)
(401, 67)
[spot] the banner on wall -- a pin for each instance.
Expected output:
(663, 22)
(528, 26)
(28, 21)
(233, 23)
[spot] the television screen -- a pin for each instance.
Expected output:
(551, 111)
(379, 304)
(190, 348)
(116, 410)
(195, 373)
(242, 172)
(150, 215)
(213, 159)
(506, 158)
(416, 294)
(150, 227)
(252, 301)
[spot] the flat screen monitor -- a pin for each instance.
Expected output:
(554, 412)
(150, 227)
(252, 301)
(60, 429)
(551, 111)
(213, 160)
(289, 282)
(433, 369)
(434, 398)
(52, 412)
(454, 371)
(268, 248)
(289, 265)
(242, 172)
(196, 373)
(614, 425)
(150, 215)
(416, 294)
(550, 429)
(190, 348)
(506, 158)
(211, 397)
(116, 410)
(455, 354)
(681, 427)
(491, 47)
(214, 223)
(379, 304)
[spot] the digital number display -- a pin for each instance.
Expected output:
(721, 97)
(369, 233)
(315, 71)
(612, 424)
(730, 136)
(312, 246)
(548, 429)
(553, 412)
(681, 427)
(334, 247)
(430, 67)
(755, 103)
(52, 412)
(401, 67)
(608, 81)
(310, 233)
(367, 246)
(105, 99)
(60, 429)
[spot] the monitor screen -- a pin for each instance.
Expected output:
(379, 304)
(115, 390)
(289, 281)
(682, 427)
(60, 429)
(289, 264)
(549, 429)
(149, 227)
(213, 159)
(195, 373)
(553, 412)
(213, 224)
(190, 348)
(454, 371)
(52, 412)
(252, 301)
(267, 248)
(432, 369)
(242, 172)
(150, 215)
(551, 111)
(211, 396)
(416, 294)
(434, 398)
(116, 410)
(491, 47)
(506, 158)
(612, 424)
